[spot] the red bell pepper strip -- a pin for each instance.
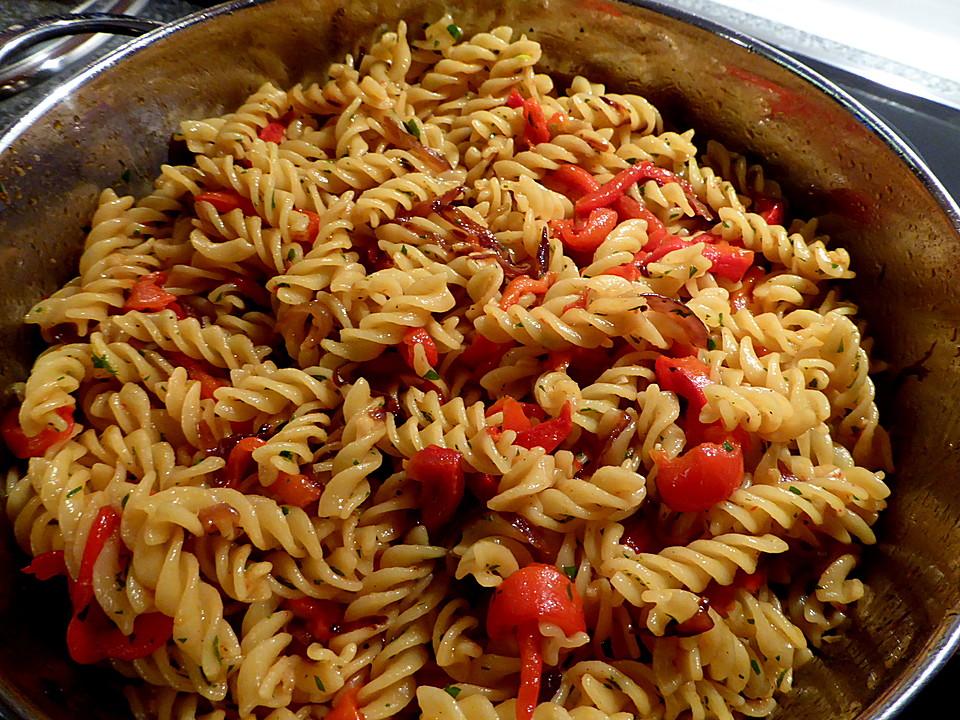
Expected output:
(515, 99)
(628, 271)
(309, 236)
(617, 186)
(224, 201)
(346, 707)
(741, 295)
(322, 617)
(629, 208)
(47, 565)
(772, 211)
(726, 260)
(414, 337)
(535, 130)
(273, 132)
(27, 446)
(104, 525)
(701, 477)
(685, 376)
(520, 286)
(531, 595)
(91, 636)
(197, 371)
(483, 485)
(590, 234)
(548, 434)
(150, 633)
(439, 471)
(578, 181)
(297, 490)
(723, 597)
(239, 460)
(148, 294)
(514, 413)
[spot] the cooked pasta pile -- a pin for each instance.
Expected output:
(390, 341)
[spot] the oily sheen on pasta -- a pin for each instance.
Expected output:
(438, 385)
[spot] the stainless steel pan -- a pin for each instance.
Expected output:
(832, 156)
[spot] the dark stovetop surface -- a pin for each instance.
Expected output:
(933, 130)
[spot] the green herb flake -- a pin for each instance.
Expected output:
(216, 648)
(74, 491)
(291, 254)
(570, 571)
(411, 127)
(727, 446)
(431, 375)
(100, 362)
(284, 509)
(756, 666)
(780, 677)
(452, 690)
(337, 571)
(711, 344)
(286, 455)
(457, 34)
(319, 683)
(795, 490)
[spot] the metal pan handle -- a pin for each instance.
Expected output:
(24, 35)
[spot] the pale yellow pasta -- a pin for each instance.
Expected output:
(313, 403)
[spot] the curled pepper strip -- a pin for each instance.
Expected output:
(414, 337)
(239, 460)
(91, 636)
(148, 294)
(439, 471)
(616, 188)
(531, 595)
(27, 446)
(520, 286)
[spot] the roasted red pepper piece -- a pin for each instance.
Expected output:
(27, 446)
(150, 633)
(309, 236)
(47, 565)
(104, 525)
(685, 376)
(723, 597)
(297, 490)
(198, 371)
(148, 294)
(346, 707)
(531, 595)
(588, 235)
(578, 182)
(321, 617)
(726, 260)
(514, 413)
(773, 211)
(617, 186)
(515, 99)
(439, 471)
(224, 201)
(91, 636)
(273, 132)
(520, 286)
(483, 485)
(535, 130)
(414, 337)
(548, 434)
(630, 209)
(239, 459)
(701, 477)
